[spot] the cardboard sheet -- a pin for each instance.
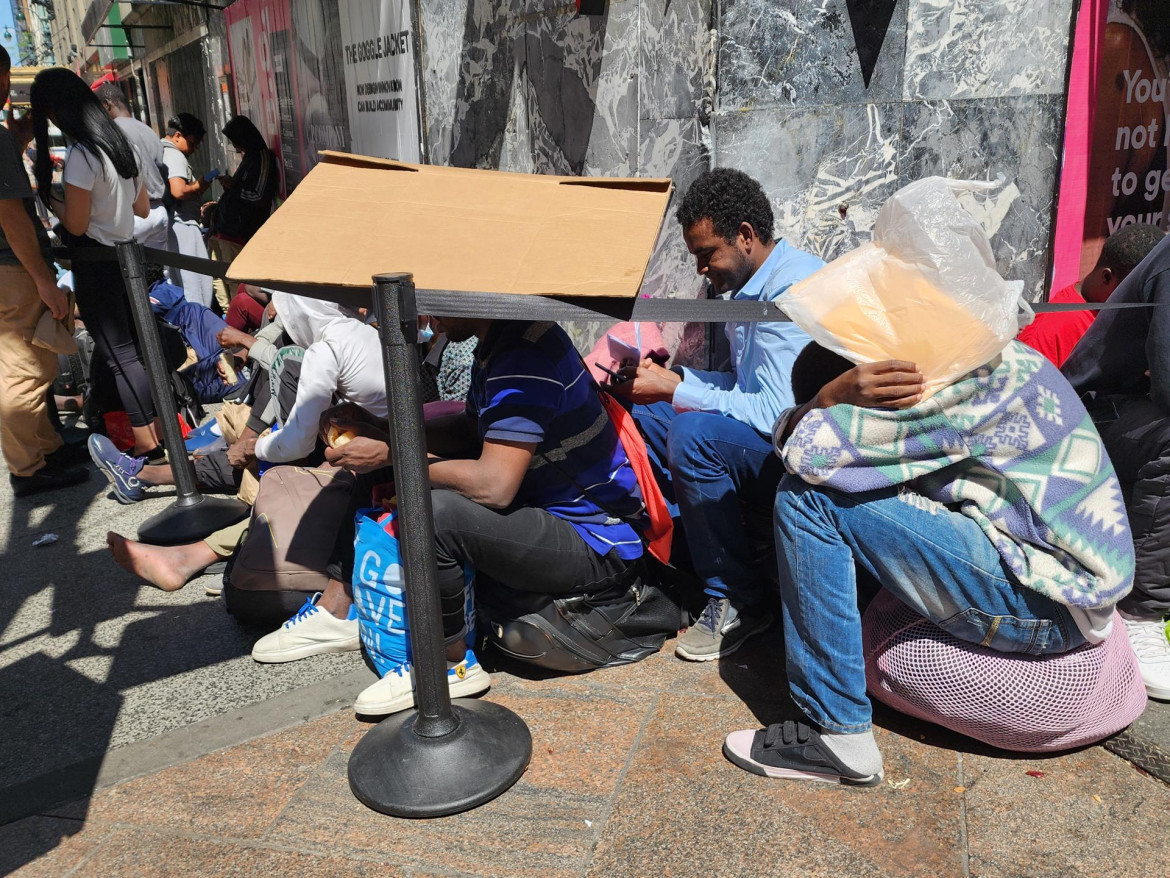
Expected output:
(353, 217)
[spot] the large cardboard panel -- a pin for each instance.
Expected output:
(353, 217)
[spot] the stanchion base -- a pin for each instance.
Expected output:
(397, 772)
(190, 523)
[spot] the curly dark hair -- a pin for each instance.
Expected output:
(727, 197)
(1125, 248)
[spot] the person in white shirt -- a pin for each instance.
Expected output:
(184, 134)
(102, 195)
(152, 230)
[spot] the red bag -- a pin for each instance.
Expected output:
(660, 531)
(119, 431)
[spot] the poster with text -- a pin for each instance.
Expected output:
(1128, 172)
(378, 54)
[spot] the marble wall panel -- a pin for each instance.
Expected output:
(442, 27)
(1014, 140)
(677, 58)
(983, 48)
(613, 142)
(827, 170)
(802, 54)
(679, 149)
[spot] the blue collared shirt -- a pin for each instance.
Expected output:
(760, 387)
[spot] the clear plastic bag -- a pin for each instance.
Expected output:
(926, 290)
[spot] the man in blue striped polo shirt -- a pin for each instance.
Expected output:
(530, 485)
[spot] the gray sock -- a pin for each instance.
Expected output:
(859, 751)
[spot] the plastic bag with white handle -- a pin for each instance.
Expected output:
(926, 290)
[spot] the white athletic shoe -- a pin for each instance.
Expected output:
(395, 691)
(312, 631)
(1150, 644)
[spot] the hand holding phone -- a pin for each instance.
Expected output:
(211, 175)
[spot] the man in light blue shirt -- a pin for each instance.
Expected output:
(713, 429)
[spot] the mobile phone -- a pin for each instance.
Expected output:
(211, 175)
(614, 376)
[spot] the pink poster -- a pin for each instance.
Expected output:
(1116, 168)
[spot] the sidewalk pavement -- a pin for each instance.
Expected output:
(626, 779)
(142, 740)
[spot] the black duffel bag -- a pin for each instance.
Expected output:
(572, 634)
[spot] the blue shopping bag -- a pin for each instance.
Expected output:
(379, 591)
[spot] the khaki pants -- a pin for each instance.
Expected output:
(224, 251)
(224, 542)
(26, 374)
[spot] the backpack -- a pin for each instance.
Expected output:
(619, 625)
(282, 557)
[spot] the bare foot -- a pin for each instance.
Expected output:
(165, 567)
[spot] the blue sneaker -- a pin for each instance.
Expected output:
(121, 469)
(395, 691)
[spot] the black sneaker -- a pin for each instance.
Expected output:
(67, 455)
(48, 479)
(791, 750)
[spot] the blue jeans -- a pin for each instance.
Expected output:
(938, 562)
(711, 464)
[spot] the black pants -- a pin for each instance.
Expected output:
(1138, 442)
(105, 310)
(526, 549)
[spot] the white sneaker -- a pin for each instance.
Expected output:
(395, 691)
(1149, 641)
(312, 631)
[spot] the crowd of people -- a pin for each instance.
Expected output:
(993, 508)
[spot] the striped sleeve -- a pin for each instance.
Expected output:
(523, 394)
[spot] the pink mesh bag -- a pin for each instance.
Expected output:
(1015, 702)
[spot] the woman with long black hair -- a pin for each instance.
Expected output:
(102, 195)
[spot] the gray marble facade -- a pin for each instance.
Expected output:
(964, 88)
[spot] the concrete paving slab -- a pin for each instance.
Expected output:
(93, 659)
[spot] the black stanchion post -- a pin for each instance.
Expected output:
(445, 757)
(192, 516)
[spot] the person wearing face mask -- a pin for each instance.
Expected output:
(445, 367)
(711, 431)
(184, 135)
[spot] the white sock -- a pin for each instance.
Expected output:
(858, 750)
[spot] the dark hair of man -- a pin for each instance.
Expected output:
(813, 368)
(728, 198)
(107, 92)
(79, 115)
(5, 61)
(189, 126)
(1125, 248)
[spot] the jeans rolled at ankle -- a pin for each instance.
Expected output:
(938, 562)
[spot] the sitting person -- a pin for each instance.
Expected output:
(199, 326)
(245, 313)
(711, 429)
(1123, 360)
(338, 355)
(508, 480)
(990, 509)
(1056, 333)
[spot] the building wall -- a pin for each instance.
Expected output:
(968, 89)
